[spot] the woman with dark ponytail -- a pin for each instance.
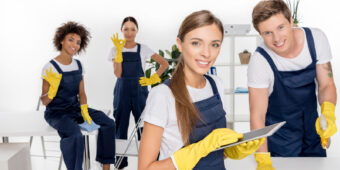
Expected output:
(129, 60)
(184, 119)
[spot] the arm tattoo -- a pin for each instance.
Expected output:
(329, 68)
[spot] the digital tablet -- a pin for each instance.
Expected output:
(256, 134)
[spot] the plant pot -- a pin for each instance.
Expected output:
(244, 57)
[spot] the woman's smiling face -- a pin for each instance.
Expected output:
(200, 48)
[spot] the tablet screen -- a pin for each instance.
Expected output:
(256, 134)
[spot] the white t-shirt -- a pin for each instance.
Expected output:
(260, 74)
(160, 110)
(65, 68)
(145, 53)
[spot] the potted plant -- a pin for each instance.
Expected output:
(173, 60)
(293, 7)
(244, 57)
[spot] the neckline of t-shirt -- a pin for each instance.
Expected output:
(301, 52)
(200, 89)
(64, 64)
(131, 48)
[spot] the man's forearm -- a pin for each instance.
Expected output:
(257, 123)
(328, 94)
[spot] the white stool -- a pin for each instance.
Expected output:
(15, 156)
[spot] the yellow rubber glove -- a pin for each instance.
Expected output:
(143, 81)
(328, 110)
(119, 44)
(54, 80)
(85, 113)
(264, 162)
(243, 150)
(187, 157)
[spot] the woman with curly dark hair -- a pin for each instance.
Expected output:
(63, 93)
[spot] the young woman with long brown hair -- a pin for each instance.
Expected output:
(184, 120)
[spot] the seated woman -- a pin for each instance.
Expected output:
(184, 119)
(64, 95)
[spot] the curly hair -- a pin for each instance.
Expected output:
(71, 28)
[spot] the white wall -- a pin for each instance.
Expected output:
(27, 29)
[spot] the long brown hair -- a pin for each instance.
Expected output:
(187, 113)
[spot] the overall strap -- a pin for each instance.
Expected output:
(79, 66)
(138, 48)
(311, 45)
(267, 57)
(56, 66)
(213, 84)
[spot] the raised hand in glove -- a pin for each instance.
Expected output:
(119, 44)
(54, 80)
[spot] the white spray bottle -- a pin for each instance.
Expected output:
(325, 142)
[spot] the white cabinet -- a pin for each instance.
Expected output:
(231, 71)
(15, 156)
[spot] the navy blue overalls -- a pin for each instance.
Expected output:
(213, 115)
(294, 100)
(129, 95)
(63, 114)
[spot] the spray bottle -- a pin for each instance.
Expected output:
(325, 142)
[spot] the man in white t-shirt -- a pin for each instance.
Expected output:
(283, 76)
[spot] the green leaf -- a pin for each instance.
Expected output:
(165, 78)
(157, 66)
(161, 53)
(293, 7)
(168, 52)
(171, 71)
(175, 54)
(174, 48)
(148, 72)
(148, 61)
(154, 85)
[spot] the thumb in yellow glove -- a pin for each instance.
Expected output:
(54, 80)
(85, 113)
(187, 157)
(264, 161)
(119, 44)
(244, 149)
(143, 81)
(328, 110)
